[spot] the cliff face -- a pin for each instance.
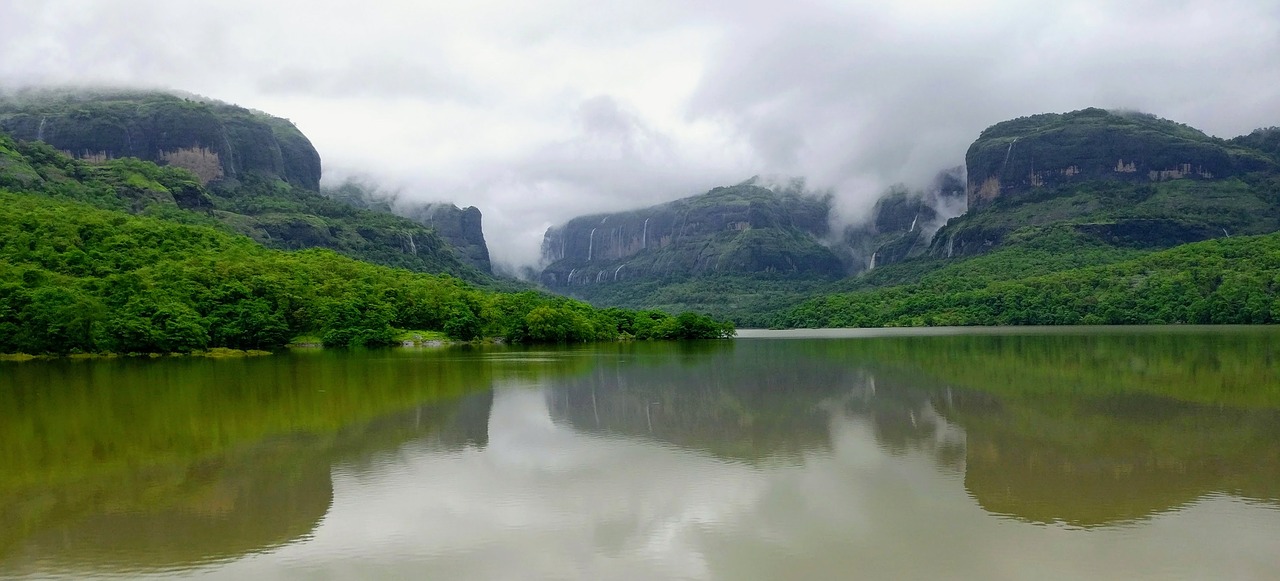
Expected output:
(744, 229)
(1017, 157)
(903, 222)
(216, 141)
(1127, 179)
(460, 227)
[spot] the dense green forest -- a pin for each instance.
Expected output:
(74, 278)
(1222, 281)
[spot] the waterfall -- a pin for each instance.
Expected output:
(951, 244)
(615, 273)
(1006, 156)
(591, 244)
(412, 247)
(872, 266)
(563, 236)
(40, 130)
(1224, 232)
(570, 279)
(644, 239)
(913, 223)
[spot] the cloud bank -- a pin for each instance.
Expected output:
(536, 113)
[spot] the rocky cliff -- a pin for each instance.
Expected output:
(1126, 179)
(214, 140)
(460, 227)
(744, 229)
(1020, 156)
(903, 222)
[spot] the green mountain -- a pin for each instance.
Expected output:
(245, 171)
(740, 252)
(1131, 179)
(462, 228)
(744, 229)
(214, 140)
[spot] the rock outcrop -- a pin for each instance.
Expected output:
(903, 222)
(1017, 157)
(460, 227)
(214, 140)
(1126, 179)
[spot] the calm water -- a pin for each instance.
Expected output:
(990, 454)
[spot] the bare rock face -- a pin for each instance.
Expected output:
(214, 140)
(744, 229)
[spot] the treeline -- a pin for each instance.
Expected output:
(77, 279)
(1224, 281)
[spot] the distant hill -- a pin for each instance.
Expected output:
(744, 229)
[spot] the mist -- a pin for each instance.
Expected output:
(539, 113)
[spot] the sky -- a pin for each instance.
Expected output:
(537, 112)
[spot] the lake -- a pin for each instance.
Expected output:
(995, 453)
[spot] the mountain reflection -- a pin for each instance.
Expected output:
(743, 459)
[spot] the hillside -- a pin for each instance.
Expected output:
(1224, 281)
(258, 179)
(74, 278)
(744, 229)
(462, 228)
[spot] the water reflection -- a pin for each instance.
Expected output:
(899, 457)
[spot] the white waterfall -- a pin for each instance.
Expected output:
(615, 272)
(913, 223)
(872, 266)
(591, 244)
(1006, 156)
(40, 130)
(570, 279)
(644, 239)
(412, 247)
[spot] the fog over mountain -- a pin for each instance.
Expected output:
(539, 112)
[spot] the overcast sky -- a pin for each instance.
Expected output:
(536, 112)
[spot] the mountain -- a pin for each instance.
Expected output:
(903, 222)
(216, 141)
(462, 228)
(1131, 179)
(740, 230)
(218, 164)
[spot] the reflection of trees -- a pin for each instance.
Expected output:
(171, 463)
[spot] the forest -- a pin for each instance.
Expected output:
(77, 279)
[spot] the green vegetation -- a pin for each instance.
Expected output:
(1228, 280)
(242, 170)
(77, 279)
